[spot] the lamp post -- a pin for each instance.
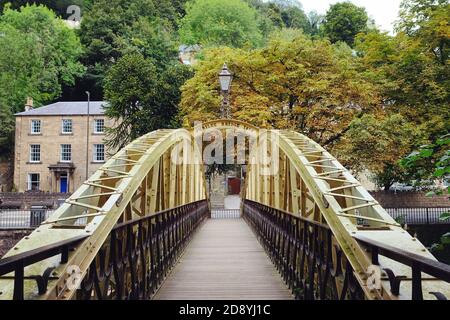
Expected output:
(87, 133)
(225, 79)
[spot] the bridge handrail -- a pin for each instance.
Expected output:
(303, 250)
(286, 225)
(30, 257)
(17, 263)
(153, 215)
(417, 263)
(303, 219)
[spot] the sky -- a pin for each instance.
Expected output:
(385, 12)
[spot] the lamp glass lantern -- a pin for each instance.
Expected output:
(225, 78)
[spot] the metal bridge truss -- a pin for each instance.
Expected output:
(122, 231)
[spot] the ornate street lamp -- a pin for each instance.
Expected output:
(225, 79)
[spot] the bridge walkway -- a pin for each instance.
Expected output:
(224, 261)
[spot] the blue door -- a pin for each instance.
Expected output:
(63, 184)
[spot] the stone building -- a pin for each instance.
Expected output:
(58, 146)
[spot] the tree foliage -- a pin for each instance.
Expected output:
(58, 6)
(343, 21)
(216, 22)
(6, 131)
(413, 77)
(430, 161)
(308, 86)
(113, 28)
(427, 22)
(47, 55)
(369, 96)
(38, 55)
(140, 98)
(375, 143)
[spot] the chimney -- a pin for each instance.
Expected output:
(29, 104)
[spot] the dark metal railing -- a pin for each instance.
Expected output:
(305, 253)
(17, 264)
(418, 216)
(418, 264)
(138, 254)
(131, 264)
(313, 265)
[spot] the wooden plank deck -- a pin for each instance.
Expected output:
(224, 261)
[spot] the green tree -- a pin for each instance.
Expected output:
(140, 98)
(428, 20)
(113, 28)
(38, 54)
(59, 6)
(409, 72)
(216, 22)
(309, 86)
(281, 14)
(6, 129)
(315, 22)
(431, 162)
(53, 53)
(294, 17)
(376, 143)
(343, 21)
(412, 80)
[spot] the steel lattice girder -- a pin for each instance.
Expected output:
(310, 174)
(108, 197)
(310, 183)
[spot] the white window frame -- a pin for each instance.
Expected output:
(95, 126)
(32, 122)
(31, 153)
(62, 126)
(95, 153)
(30, 182)
(62, 152)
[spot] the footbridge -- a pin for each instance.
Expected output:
(141, 228)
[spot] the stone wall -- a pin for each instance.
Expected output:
(8, 239)
(24, 200)
(408, 199)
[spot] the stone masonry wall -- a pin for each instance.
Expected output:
(25, 200)
(409, 200)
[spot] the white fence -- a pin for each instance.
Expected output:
(225, 214)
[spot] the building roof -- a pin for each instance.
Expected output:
(65, 108)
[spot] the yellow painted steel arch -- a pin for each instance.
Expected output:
(305, 180)
(301, 178)
(230, 123)
(143, 178)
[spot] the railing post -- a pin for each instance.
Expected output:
(416, 282)
(18, 281)
(374, 252)
(65, 254)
